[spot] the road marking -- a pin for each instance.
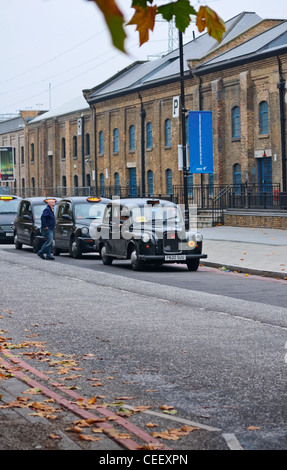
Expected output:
(177, 419)
(232, 441)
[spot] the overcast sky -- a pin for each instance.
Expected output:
(53, 49)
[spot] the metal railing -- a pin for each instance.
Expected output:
(204, 197)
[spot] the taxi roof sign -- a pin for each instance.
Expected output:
(50, 199)
(93, 199)
(153, 202)
(6, 198)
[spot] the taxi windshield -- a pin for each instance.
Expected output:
(8, 205)
(89, 211)
(156, 215)
(38, 210)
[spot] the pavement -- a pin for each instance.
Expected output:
(256, 251)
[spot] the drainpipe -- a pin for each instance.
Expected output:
(281, 88)
(200, 109)
(83, 150)
(142, 115)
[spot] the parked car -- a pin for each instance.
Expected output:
(147, 231)
(8, 211)
(77, 219)
(27, 223)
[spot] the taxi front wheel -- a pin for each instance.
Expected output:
(106, 259)
(75, 250)
(193, 264)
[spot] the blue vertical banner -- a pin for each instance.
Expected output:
(200, 141)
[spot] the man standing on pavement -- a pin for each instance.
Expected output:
(47, 227)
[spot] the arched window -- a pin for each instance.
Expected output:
(149, 135)
(87, 144)
(210, 183)
(168, 178)
(167, 133)
(117, 183)
(88, 180)
(33, 186)
(237, 178)
(116, 140)
(263, 117)
(236, 132)
(64, 184)
(150, 182)
(102, 184)
(190, 184)
(63, 148)
(132, 138)
(32, 152)
(22, 156)
(75, 146)
(101, 142)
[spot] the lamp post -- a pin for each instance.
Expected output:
(183, 133)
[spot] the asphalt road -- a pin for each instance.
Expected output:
(209, 344)
(213, 281)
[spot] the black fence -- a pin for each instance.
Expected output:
(205, 197)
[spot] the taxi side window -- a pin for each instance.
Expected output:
(107, 214)
(26, 209)
(64, 209)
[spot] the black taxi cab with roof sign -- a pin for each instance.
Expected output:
(8, 210)
(77, 219)
(147, 231)
(27, 224)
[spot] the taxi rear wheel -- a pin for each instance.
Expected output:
(106, 259)
(17, 244)
(193, 264)
(137, 265)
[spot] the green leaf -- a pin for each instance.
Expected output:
(181, 10)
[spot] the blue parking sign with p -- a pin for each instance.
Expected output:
(200, 141)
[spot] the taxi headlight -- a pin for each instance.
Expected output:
(85, 230)
(198, 237)
(145, 237)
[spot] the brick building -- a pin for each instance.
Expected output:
(12, 134)
(123, 136)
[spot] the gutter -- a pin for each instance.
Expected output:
(228, 64)
(130, 91)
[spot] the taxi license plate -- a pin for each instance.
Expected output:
(175, 257)
(9, 234)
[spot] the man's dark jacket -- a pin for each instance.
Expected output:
(48, 218)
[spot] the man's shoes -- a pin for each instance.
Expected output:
(50, 258)
(41, 255)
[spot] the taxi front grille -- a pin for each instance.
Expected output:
(6, 228)
(171, 243)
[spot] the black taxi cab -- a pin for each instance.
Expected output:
(147, 231)
(27, 224)
(77, 219)
(8, 210)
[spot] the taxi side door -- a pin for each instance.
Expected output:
(25, 223)
(64, 225)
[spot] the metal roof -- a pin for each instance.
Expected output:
(271, 40)
(167, 67)
(75, 105)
